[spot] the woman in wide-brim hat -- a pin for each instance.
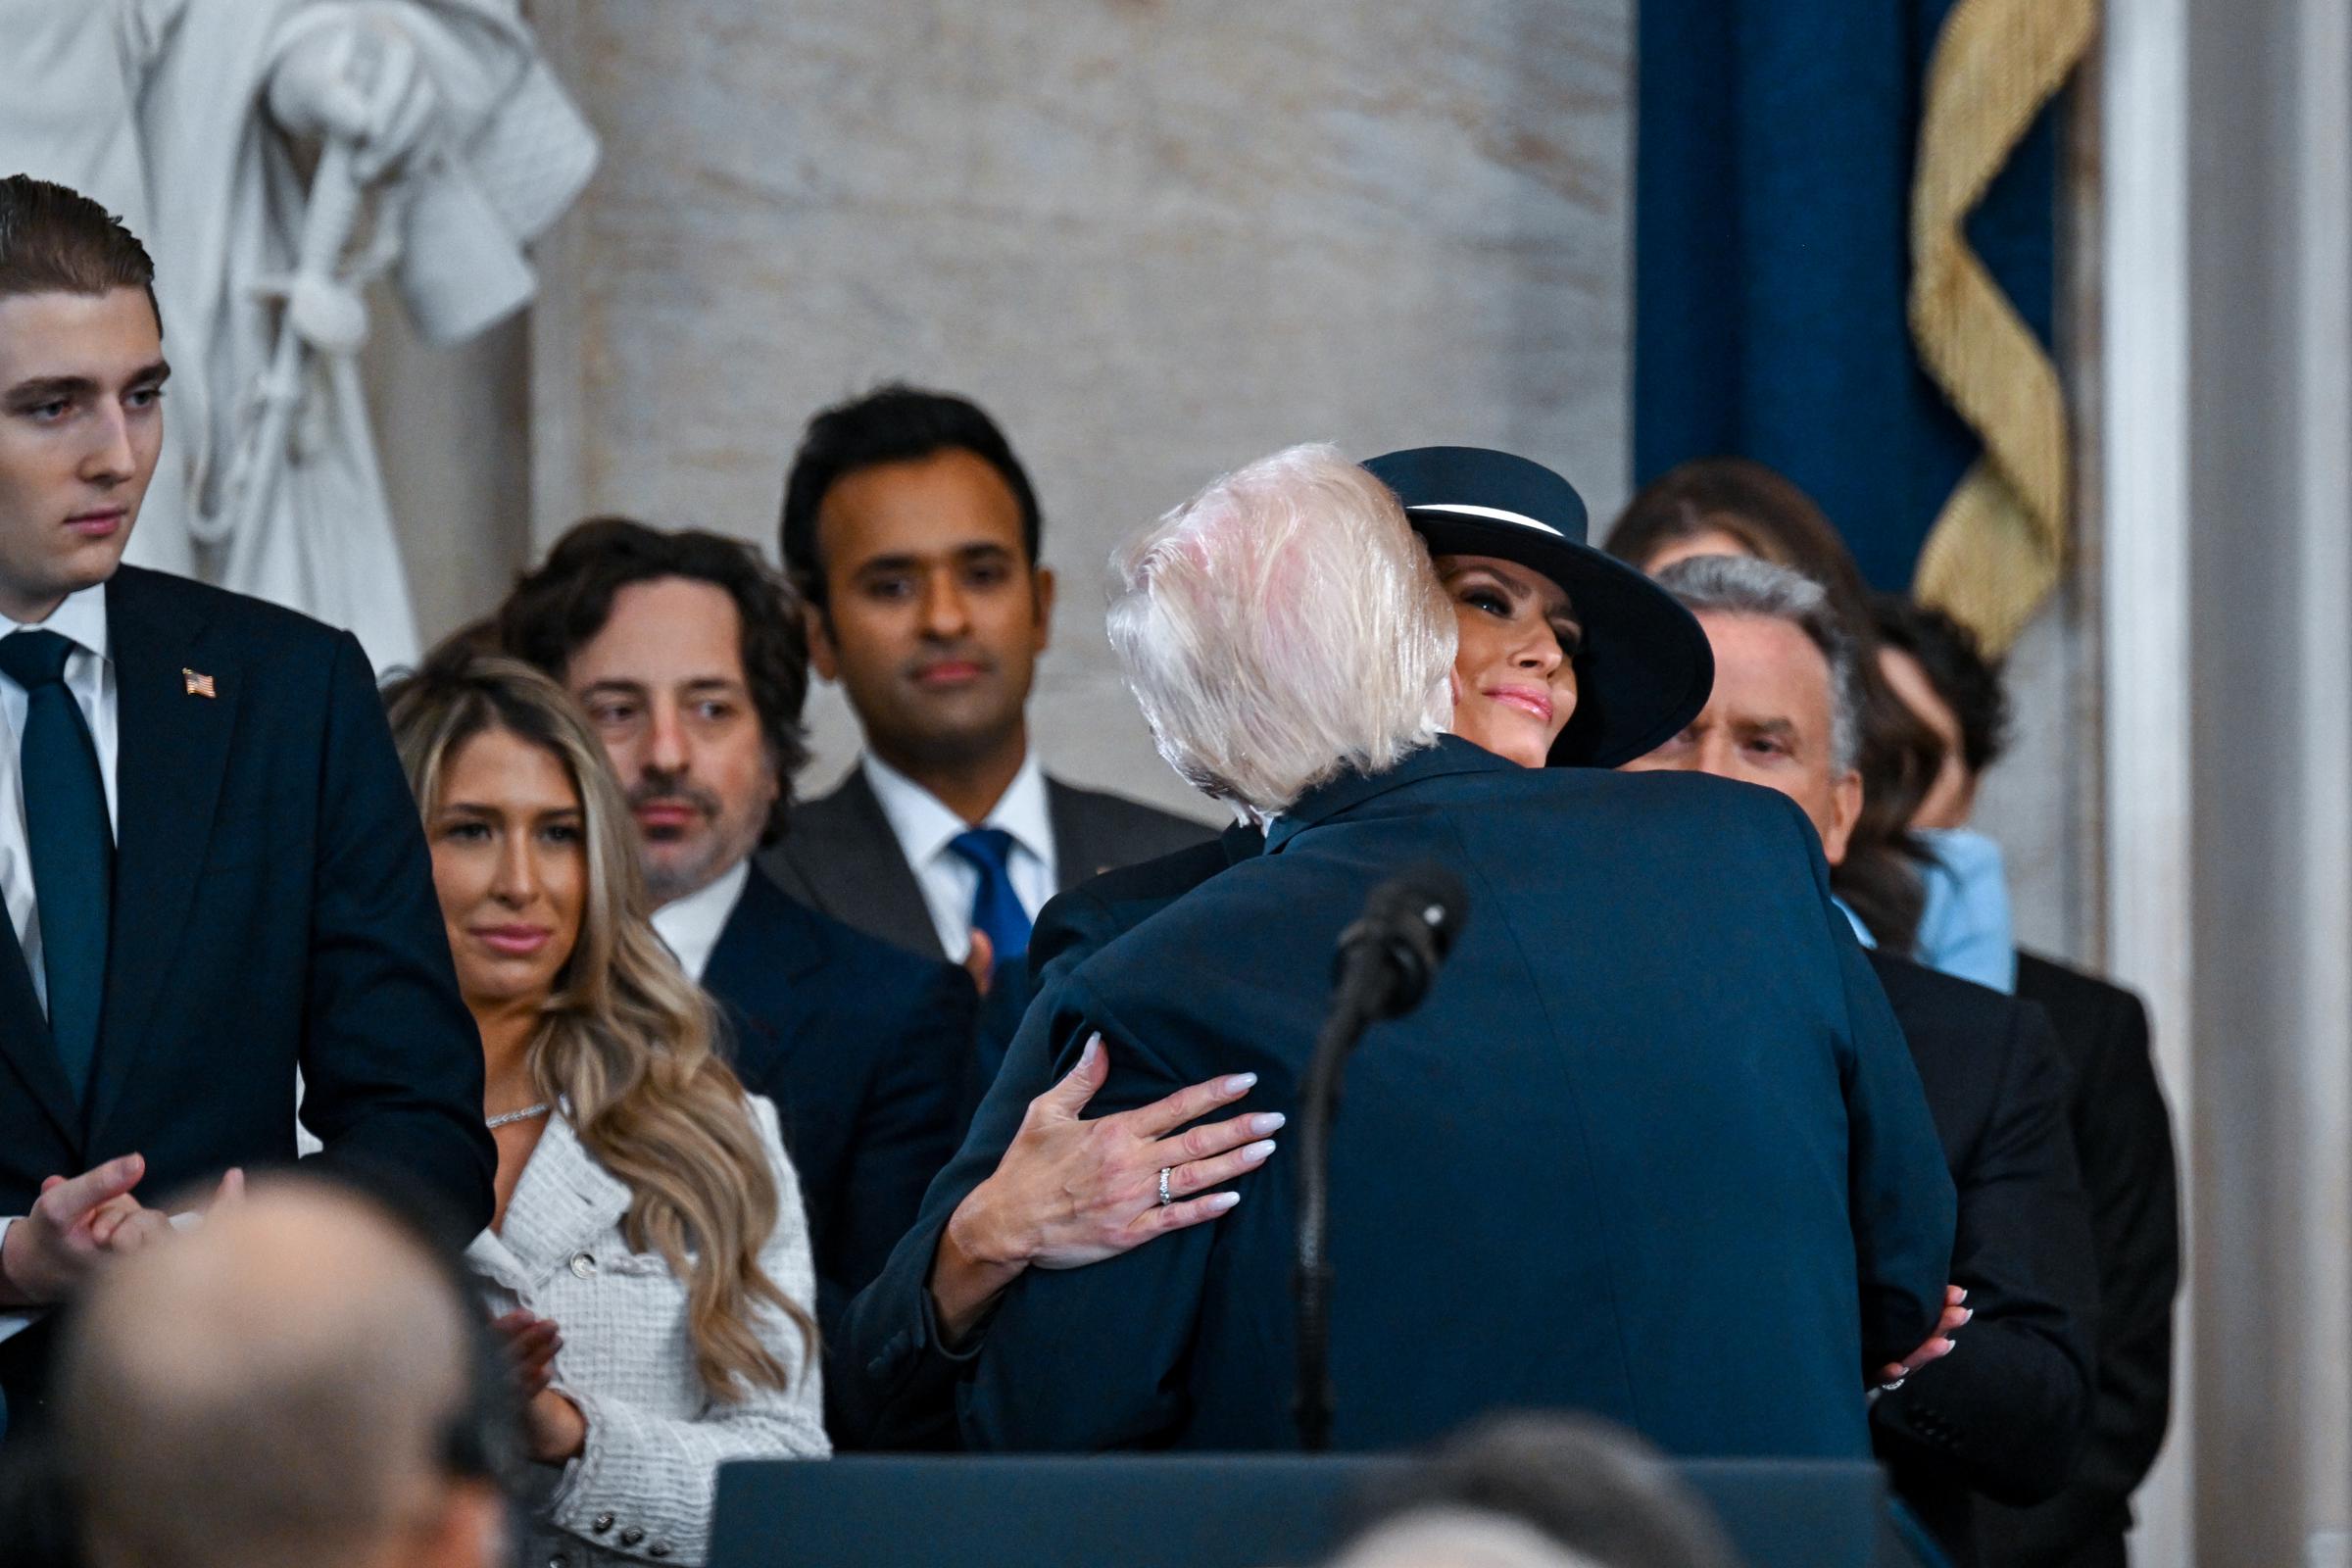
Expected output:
(1567, 656)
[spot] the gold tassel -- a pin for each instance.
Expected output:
(2000, 542)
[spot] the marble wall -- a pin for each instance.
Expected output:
(1155, 239)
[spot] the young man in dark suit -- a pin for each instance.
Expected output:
(2122, 1131)
(688, 655)
(2007, 1418)
(911, 529)
(1562, 1079)
(213, 870)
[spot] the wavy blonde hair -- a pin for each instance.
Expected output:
(625, 1039)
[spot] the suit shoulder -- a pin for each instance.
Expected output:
(849, 952)
(2061, 985)
(1138, 831)
(239, 616)
(1930, 1003)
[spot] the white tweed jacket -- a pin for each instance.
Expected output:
(642, 1489)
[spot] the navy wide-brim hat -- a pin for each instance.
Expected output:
(1646, 668)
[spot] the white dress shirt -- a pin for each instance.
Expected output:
(925, 827)
(691, 925)
(91, 677)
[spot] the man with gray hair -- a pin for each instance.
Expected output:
(2006, 1416)
(1652, 1109)
(296, 1384)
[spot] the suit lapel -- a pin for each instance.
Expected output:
(764, 958)
(25, 1041)
(565, 1203)
(845, 851)
(172, 751)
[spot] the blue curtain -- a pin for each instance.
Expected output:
(1772, 256)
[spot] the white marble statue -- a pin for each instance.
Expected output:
(274, 155)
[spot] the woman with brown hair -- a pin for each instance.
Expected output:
(649, 1237)
(1733, 506)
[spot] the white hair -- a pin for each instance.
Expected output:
(1458, 1538)
(1282, 626)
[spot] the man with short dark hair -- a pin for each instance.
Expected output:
(688, 654)
(213, 870)
(2006, 1415)
(913, 530)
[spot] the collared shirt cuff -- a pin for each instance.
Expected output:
(15, 1323)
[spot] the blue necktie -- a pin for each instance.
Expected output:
(996, 911)
(72, 844)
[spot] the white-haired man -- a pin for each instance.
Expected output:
(1653, 1103)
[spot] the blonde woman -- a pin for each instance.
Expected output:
(649, 1243)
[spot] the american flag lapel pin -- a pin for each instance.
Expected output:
(197, 685)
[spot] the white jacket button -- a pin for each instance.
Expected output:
(601, 1523)
(583, 1264)
(630, 1537)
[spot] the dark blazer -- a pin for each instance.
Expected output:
(841, 858)
(2124, 1139)
(862, 1048)
(893, 1382)
(1652, 1011)
(2006, 1412)
(274, 908)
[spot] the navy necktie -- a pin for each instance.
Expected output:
(72, 844)
(996, 911)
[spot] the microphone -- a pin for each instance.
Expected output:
(1385, 960)
(1388, 957)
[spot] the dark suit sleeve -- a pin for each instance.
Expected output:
(896, 1378)
(1898, 1191)
(391, 1062)
(2007, 1410)
(1091, 1359)
(2124, 1135)
(907, 1129)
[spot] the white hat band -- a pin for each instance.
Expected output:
(1495, 513)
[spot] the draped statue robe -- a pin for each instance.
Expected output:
(158, 109)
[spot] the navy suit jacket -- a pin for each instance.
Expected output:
(892, 1377)
(1654, 1091)
(2124, 1138)
(2006, 1414)
(274, 908)
(863, 1048)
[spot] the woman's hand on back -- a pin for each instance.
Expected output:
(1071, 1191)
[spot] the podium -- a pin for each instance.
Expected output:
(1203, 1511)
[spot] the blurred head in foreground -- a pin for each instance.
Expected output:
(1593, 1495)
(297, 1384)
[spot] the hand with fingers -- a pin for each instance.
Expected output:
(1071, 1191)
(531, 1344)
(554, 1430)
(122, 1224)
(1936, 1345)
(47, 1256)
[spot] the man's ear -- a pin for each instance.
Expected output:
(1042, 588)
(1845, 809)
(822, 657)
